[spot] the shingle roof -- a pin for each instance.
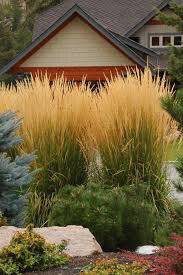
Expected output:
(118, 16)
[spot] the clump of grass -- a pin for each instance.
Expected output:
(124, 125)
(54, 126)
(131, 133)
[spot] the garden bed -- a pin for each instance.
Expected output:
(77, 264)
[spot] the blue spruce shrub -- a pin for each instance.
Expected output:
(15, 174)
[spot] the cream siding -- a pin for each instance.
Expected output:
(77, 45)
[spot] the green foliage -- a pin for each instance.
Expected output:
(94, 207)
(174, 106)
(116, 219)
(172, 224)
(176, 54)
(61, 164)
(14, 34)
(113, 267)
(140, 221)
(15, 173)
(28, 251)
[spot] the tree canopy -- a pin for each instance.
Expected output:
(175, 66)
(16, 25)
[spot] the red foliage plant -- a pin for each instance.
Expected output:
(169, 260)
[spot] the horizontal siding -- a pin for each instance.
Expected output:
(152, 29)
(146, 30)
(77, 45)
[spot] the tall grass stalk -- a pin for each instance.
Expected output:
(131, 133)
(66, 125)
(54, 125)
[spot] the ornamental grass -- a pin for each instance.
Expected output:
(54, 123)
(131, 132)
(67, 125)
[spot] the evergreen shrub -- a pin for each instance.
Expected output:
(172, 224)
(115, 219)
(15, 173)
(27, 252)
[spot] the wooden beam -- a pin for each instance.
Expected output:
(75, 73)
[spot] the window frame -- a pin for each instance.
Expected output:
(172, 36)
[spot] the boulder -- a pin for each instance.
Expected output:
(80, 240)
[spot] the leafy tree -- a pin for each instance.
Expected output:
(14, 173)
(175, 66)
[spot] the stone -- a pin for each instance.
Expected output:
(147, 250)
(173, 176)
(81, 242)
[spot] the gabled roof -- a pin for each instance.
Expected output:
(122, 17)
(76, 10)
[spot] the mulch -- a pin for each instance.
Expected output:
(76, 265)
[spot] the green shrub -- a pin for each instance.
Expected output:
(28, 251)
(172, 224)
(115, 218)
(105, 267)
(94, 207)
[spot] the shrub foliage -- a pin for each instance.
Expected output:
(114, 267)
(169, 260)
(14, 172)
(116, 219)
(28, 251)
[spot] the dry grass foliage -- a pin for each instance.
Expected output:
(131, 132)
(66, 124)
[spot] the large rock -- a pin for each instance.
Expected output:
(80, 240)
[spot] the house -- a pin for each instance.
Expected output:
(97, 39)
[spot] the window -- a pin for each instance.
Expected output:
(155, 41)
(177, 40)
(163, 41)
(136, 39)
(166, 40)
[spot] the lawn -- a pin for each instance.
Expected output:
(174, 150)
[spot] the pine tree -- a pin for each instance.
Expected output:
(35, 7)
(175, 66)
(15, 173)
(174, 105)
(15, 34)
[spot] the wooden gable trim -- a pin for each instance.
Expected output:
(41, 44)
(76, 73)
